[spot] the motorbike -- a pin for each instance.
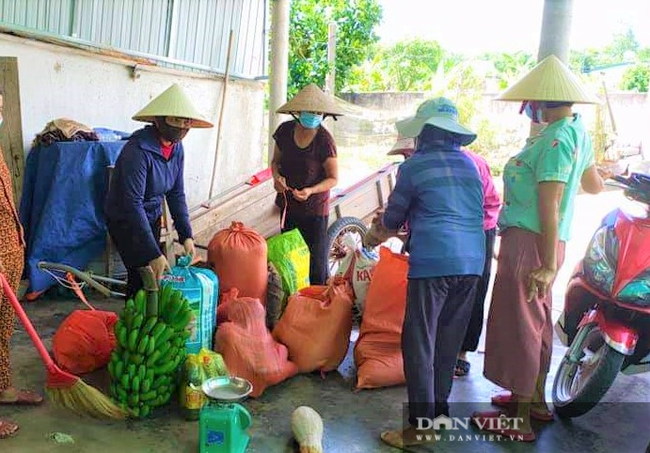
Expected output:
(606, 318)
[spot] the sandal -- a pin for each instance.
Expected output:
(505, 399)
(8, 429)
(485, 421)
(24, 398)
(395, 440)
(462, 367)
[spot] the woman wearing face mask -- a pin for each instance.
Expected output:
(11, 266)
(149, 170)
(540, 185)
(304, 170)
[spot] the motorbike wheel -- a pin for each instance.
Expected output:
(335, 233)
(585, 373)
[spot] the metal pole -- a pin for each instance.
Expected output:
(279, 65)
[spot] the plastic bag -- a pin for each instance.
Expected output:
(192, 398)
(84, 341)
(357, 267)
(249, 350)
(201, 287)
(290, 255)
(212, 363)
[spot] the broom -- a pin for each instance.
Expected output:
(65, 389)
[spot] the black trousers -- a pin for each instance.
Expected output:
(475, 326)
(131, 254)
(314, 231)
(437, 313)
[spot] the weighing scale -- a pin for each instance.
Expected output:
(223, 422)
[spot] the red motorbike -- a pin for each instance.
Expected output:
(606, 318)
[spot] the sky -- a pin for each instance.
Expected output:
(476, 26)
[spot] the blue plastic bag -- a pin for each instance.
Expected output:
(201, 288)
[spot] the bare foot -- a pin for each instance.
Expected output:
(7, 429)
(20, 397)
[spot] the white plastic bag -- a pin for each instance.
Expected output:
(357, 267)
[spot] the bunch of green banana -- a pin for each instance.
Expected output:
(149, 351)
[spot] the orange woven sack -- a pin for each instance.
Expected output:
(316, 326)
(238, 255)
(84, 341)
(378, 352)
(249, 350)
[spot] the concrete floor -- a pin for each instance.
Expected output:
(353, 421)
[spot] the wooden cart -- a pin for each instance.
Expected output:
(252, 203)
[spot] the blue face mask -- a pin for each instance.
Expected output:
(534, 111)
(310, 120)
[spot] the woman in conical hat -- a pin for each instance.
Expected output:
(305, 168)
(148, 171)
(540, 185)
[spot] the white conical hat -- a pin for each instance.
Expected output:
(550, 80)
(172, 102)
(312, 99)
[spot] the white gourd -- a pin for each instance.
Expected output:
(307, 427)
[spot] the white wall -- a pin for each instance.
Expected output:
(58, 81)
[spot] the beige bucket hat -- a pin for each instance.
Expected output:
(172, 102)
(312, 99)
(550, 80)
(403, 146)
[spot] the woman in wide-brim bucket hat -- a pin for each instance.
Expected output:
(440, 113)
(148, 171)
(305, 169)
(439, 192)
(540, 185)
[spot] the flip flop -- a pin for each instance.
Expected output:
(399, 442)
(12, 427)
(462, 368)
(485, 417)
(24, 398)
(505, 399)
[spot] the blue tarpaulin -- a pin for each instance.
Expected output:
(62, 205)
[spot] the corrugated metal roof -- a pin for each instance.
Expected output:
(193, 31)
(53, 16)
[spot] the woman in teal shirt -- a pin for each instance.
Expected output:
(540, 184)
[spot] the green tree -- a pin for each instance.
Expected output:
(356, 22)
(636, 78)
(409, 65)
(644, 55)
(621, 44)
(588, 59)
(509, 66)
